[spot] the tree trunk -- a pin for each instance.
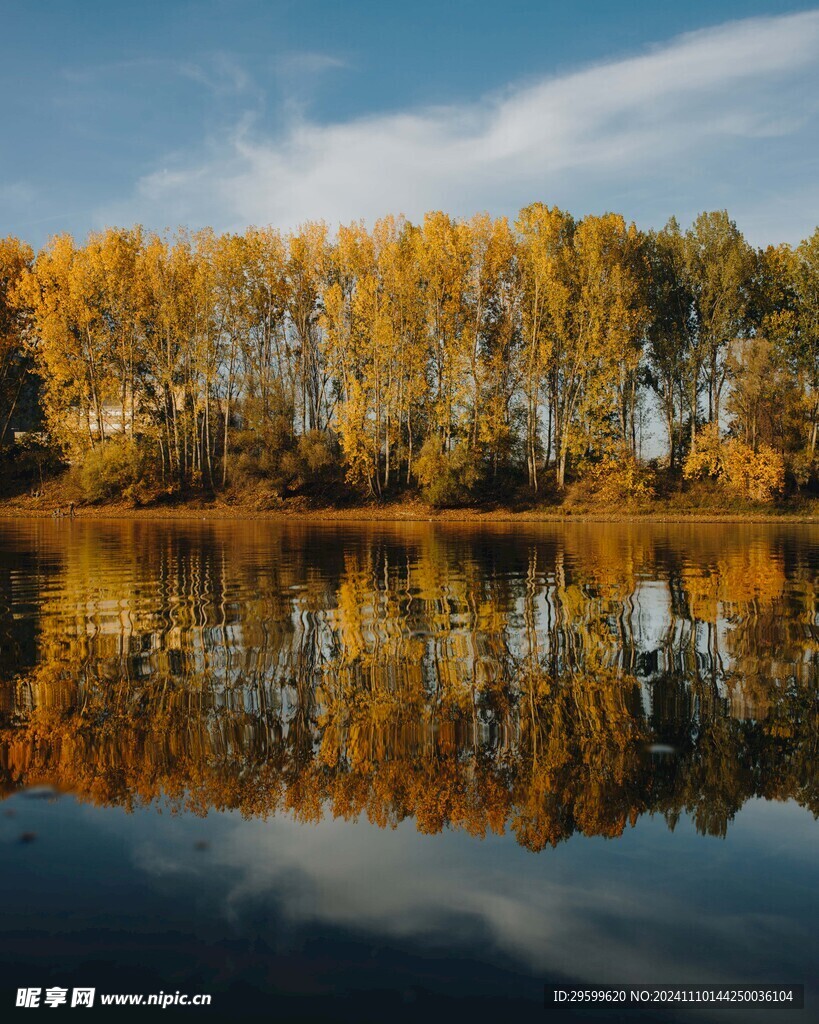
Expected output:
(561, 466)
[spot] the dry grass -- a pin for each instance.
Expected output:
(700, 502)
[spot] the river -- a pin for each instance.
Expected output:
(376, 771)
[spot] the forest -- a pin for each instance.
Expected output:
(462, 360)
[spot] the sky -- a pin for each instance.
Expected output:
(236, 112)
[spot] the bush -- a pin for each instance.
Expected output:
(448, 479)
(621, 478)
(119, 467)
(276, 458)
(264, 455)
(759, 475)
(252, 461)
(802, 467)
(704, 458)
(28, 463)
(318, 456)
(756, 475)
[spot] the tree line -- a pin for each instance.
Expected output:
(454, 355)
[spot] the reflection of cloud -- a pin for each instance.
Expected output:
(636, 909)
(643, 118)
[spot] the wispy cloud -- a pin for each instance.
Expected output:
(307, 63)
(702, 115)
(219, 73)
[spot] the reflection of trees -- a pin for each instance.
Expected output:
(467, 681)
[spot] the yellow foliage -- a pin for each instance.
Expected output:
(704, 459)
(757, 475)
(621, 477)
(513, 348)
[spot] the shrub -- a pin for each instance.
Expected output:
(802, 466)
(253, 458)
(448, 479)
(704, 458)
(119, 467)
(275, 458)
(621, 478)
(28, 463)
(318, 454)
(757, 475)
(264, 454)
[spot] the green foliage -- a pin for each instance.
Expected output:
(276, 459)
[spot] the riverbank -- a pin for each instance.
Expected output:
(405, 510)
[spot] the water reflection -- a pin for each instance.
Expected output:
(547, 681)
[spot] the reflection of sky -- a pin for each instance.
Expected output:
(649, 907)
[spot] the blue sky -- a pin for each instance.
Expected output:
(229, 112)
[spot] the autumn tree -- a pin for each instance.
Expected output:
(805, 347)
(436, 353)
(15, 338)
(307, 268)
(610, 323)
(672, 374)
(719, 269)
(549, 354)
(72, 342)
(444, 258)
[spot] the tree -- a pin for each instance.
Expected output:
(759, 393)
(492, 248)
(113, 266)
(15, 360)
(307, 269)
(610, 326)
(549, 289)
(444, 257)
(671, 373)
(805, 347)
(500, 351)
(719, 268)
(268, 368)
(397, 249)
(72, 343)
(525, 349)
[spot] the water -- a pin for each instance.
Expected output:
(407, 772)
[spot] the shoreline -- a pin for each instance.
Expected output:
(408, 512)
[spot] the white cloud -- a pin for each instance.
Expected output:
(700, 119)
(595, 910)
(307, 62)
